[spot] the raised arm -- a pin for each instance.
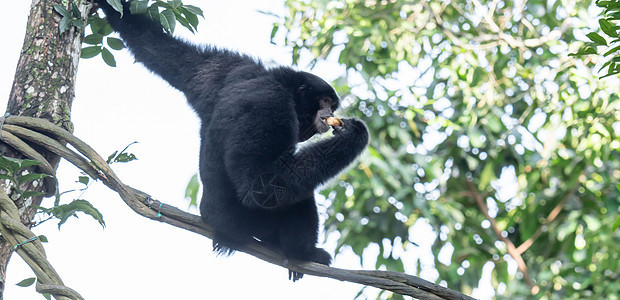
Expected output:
(174, 60)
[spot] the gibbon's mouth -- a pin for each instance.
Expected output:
(321, 126)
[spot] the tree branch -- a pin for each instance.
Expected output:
(512, 250)
(27, 245)
(146, 206)
(552, 215)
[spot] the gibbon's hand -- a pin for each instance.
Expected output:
(353, 128)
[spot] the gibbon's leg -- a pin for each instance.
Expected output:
(298, 232)
(299, 235)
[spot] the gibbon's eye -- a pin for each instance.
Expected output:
(325, 102)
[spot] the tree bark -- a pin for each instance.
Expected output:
(43, 87)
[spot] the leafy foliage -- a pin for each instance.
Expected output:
(69, 18)
(167, 13)
(471, 100)
(609, 24)
(15, 171)
(64, 211)
(121, 156)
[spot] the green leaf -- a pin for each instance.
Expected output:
(108, 57)
(115, 43)
(26, 282)
(584, 51)
(117, 5)
(175, 3)
(191, 17)
(47, 296)
(486, 176)
(79, 23)
(167, 20)
(608, 28)
(111, 157)
(183, 21)
(596, 38)
(612, 50)
(64, 211)
(13, 165)
(139, 6)
(477, 76)
(616, 224)
(62, 10)
(65, 24)
(31, 177)
(28, 163)
(153, 12)
(89, 52)
(125, 157)
(106, 30)
(4, 176)
(96, 23)
(194, 10)
(274, 30)
(42, 238)
(84, 180)
(122, 156)
(191, 191)
(76, 11)
(93, 39)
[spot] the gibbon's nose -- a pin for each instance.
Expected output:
(326, 115)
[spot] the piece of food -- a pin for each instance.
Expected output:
(332, 121)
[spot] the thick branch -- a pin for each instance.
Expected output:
(30, 249)
(146, 206)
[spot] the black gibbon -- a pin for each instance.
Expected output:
(257, 184)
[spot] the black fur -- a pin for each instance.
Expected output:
(256, 184)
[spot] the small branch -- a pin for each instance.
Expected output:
(146, 206)
(512, 250)
(552, 215)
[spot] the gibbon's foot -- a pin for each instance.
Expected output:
(319, 256)
(226, 246)
(294, 276)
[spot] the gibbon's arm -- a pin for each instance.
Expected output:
(174, 60)
(294, 175)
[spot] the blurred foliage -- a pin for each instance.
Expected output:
(471, 100)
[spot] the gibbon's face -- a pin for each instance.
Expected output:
(317, 101)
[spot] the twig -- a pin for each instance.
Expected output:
(512, 250)
(552, 215)
(146, 206)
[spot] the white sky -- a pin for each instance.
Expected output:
(133, 257)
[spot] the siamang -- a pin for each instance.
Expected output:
(258, 182)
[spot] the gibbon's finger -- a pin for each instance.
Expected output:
(334, 122)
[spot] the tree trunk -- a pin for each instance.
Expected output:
(44, 88)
